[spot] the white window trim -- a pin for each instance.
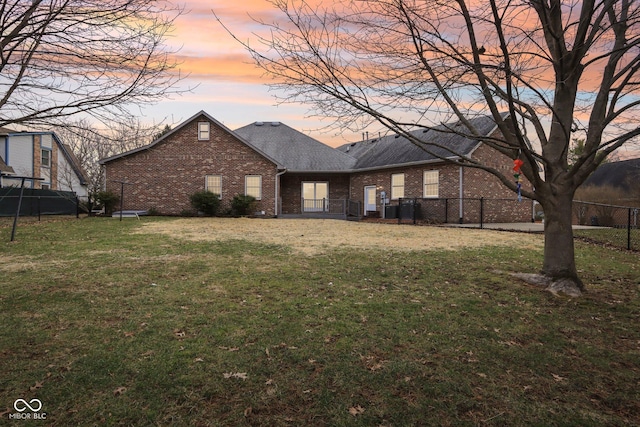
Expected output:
(204, 128)
(436, 183)
(246, 179)
(395, 189)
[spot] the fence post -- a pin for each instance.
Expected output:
(446, 210)
(629, 229)
(481, 212)
(39, 208)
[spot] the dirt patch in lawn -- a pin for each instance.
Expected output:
(313, 236)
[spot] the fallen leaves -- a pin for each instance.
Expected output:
(38, 385)
(239, 375)
(356, 410)
(119, 391)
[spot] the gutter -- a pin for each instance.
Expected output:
(278, 175)
(461, 207)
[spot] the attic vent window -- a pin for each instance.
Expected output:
(203, 131)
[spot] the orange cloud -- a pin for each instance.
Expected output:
(230, 67)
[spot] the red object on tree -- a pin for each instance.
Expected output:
(517, 164)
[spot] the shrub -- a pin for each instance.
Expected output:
(108, 200)
(242, 204)
(206, 202)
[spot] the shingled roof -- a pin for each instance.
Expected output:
(5, 169)
(294, 150)
(396, 150)
(622, 174)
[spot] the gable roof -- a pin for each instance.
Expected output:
(294, 150)
(178, 128)
(396, 150)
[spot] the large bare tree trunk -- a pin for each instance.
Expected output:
(559, 260)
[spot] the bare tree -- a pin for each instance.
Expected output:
(90, 144)
(547, 71)
(59, 58)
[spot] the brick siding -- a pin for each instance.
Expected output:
(477, 184)
(164, 176)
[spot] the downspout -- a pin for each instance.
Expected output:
(461, 191)
(278, 175)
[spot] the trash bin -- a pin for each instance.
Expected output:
(594, 221)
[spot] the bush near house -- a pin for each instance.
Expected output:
(206, 202)
(108, 200)
(242, 205)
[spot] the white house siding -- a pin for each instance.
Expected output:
(46, 141)
(68, 180)
(19, 157)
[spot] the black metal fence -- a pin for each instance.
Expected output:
(609, 224)
(461, 211)
(37, 202)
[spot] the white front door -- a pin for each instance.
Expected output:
(369, 198)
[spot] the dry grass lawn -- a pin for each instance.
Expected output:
(313, 236)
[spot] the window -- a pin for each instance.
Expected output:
(253, 186)
(315, 196)
(213, 183)
(397, 186)
(431, 180)
(45, 158)
(45, 186)
(203, 131)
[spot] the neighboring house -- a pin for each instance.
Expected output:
(624, 174)
(40, 155)
(290, 173)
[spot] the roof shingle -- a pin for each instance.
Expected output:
(294, 150)
(396, 150)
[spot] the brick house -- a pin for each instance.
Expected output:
(290, 173)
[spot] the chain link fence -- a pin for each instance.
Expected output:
(608, 224)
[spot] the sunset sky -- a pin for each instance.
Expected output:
(224, 81)
(229, 86)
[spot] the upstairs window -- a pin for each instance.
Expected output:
(203, 131)
(45, 158)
